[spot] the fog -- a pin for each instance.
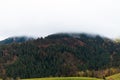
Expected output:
(43, 17)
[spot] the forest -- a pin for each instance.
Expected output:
(60, 55)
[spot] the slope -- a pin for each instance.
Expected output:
(114, 77)
(61, 55)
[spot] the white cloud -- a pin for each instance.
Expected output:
(41, 17)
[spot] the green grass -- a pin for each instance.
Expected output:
(114, 77)
(64, 78)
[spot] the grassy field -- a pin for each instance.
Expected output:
(64, 78)
(114, 77)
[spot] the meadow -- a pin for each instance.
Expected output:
(64, 78)
(114, 77)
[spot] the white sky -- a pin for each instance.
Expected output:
(43, 17)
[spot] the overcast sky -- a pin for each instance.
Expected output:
(44, 17)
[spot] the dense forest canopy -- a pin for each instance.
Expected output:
(61, 55)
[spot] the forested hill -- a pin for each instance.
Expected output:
(61, 55)
(15, 40)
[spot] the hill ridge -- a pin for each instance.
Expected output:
(61, 55)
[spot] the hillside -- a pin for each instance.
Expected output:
(114, 77)
(15, 40)
(61, 55)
